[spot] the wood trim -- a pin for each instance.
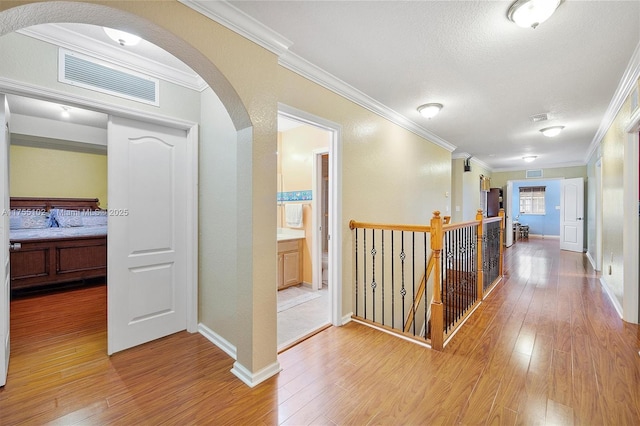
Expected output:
(55, 203)
(389, 227)
(459, 225)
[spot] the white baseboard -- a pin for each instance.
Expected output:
(591, 260)
(347, 318)
(545, 237)
(253, 379)
(612, 296)
(218, 340)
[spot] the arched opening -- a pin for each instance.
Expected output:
(52, 12)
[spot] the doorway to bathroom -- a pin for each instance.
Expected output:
(303, 213)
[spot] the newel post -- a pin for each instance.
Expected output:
(437, 311)
(480, 218)
(502, 226)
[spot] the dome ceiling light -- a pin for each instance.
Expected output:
(529, 158)
(552, 131)
(430, 110)
(531, 13)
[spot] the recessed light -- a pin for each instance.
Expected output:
(552, 131)
(529, 158)
(430, 110)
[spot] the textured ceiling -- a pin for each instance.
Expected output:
(490, 74)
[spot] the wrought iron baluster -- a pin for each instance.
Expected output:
(382, 282)
(403, 291)
(393, 284)
(357, 311)
(413, 278)
(364, 279)
(373, 273)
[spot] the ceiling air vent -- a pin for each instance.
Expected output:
(532, 174)
(101, 76)
(539, 117)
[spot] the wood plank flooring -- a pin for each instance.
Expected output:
(546, 347)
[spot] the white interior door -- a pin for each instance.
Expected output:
(508, 226)
(572, 215)
(147, 271)
(4, 240)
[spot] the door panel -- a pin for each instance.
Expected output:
(572, 215)
(5, 277)
(147, 232)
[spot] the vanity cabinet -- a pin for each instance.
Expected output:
(289, 263)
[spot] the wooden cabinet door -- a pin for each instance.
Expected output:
(291, 270)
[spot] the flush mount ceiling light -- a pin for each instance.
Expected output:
(529, 158)
(429, 110)
(121, 37)
(531, 13)
(552, 131)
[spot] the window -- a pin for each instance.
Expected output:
(532, 200)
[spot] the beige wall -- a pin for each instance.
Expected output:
(295, 165)
(39, 172)
(612, 151)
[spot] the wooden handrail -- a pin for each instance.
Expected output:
(459, 225)
(389, 227)
(421, 287)
(492, 219)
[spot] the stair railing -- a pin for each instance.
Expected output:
(424, 281)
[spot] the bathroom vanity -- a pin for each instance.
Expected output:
(289, 258)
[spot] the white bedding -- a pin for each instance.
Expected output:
(54, 233)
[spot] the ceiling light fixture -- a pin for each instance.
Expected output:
(529, 158)
(531, 13)
(429, 110)
(552, 131)
(121, 37)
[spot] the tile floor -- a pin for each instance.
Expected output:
(300, 320)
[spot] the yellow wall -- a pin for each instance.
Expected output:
(39, 172)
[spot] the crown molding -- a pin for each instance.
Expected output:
(628, 82)
(236, 20)
(63, 37)
(543, 167)
(248, 27)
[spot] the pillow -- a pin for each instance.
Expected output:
(94, 217)
(28, 219)
(66, 218)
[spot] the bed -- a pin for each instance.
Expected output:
(56, 240)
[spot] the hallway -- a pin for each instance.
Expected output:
(546, 347)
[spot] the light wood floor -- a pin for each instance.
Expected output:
(547, 347)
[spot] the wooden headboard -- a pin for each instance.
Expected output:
(47, 204)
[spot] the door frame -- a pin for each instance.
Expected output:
(335, 204)
(28, 90)
(316, 220)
